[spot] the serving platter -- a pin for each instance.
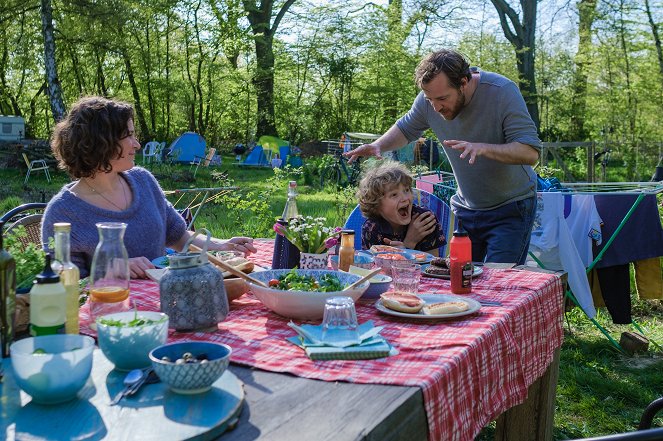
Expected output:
(477, 271)
(474, 306)
(420, 256)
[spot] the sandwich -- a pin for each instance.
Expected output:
(402, 301)
(445, 308)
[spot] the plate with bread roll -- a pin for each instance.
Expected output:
(235, 286)
(439, 268)
(426, 306)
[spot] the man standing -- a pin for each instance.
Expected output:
(491, 142)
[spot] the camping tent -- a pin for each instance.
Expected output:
(257, 157)
(272, 143)
(187, 146)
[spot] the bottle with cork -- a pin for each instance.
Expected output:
(69, 274)
(460, 266)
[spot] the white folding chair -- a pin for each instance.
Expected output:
(34, 165)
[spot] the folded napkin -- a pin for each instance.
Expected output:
(371, 345)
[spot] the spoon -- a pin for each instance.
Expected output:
(132, 378)
(363, 279)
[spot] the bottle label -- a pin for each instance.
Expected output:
(467, 275)
(36, 331)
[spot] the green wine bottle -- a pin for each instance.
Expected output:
(7, 297)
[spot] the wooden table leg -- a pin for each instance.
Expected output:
(533, 419)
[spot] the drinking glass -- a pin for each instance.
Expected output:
(339, 323)
(406, 276)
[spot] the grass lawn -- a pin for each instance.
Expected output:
(599, 391)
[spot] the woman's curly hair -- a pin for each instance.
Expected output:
(88, 138)
(376, 182)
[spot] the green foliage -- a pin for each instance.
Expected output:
(29, 259)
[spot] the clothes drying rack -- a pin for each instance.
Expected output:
(194, 199)
(445, 187)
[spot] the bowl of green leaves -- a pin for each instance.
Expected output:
(126, 338)
(302, 293)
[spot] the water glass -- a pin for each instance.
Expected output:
(406, 276)
(339, 323)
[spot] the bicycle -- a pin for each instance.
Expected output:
(340, 172)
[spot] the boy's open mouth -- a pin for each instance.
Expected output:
(404, 211)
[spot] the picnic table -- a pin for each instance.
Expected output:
(448, 381)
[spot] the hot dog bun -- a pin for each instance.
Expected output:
(402, 301)
(445, 308)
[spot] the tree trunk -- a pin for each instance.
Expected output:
(657, 40)
(54, 88)
(144, 129)
(522, 37)
(587, 13)
(260, 18)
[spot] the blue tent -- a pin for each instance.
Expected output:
(187, 146)
(257, 157)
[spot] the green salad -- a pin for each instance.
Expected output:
(136, 321)
(293, 281)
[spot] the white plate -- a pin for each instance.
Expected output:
(428, 257)
(433, 298)
(478, 270)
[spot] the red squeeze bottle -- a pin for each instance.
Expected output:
(460, 266)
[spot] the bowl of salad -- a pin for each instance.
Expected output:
(301, 294)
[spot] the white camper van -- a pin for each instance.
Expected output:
(12, 128)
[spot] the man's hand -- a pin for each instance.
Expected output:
(467, 149)
(422, 225)
(137, 267)
(362, 151)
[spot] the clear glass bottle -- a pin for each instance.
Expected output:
(7, 297)
(109, 275)
(290, 209)
(48, 300)
(346, 253)
(69, 274)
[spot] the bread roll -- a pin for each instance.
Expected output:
(402, 301)
(445, 308)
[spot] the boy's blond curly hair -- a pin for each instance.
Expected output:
(376, 182)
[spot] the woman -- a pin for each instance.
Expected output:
(97, 145)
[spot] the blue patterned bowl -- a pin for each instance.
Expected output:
(379, 284)
(302, 305)
(190, 378)
(363, 259)
(52, 368)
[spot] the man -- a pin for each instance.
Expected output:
(491, 142)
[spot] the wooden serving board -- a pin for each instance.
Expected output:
(154, 412)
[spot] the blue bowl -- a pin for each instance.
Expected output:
(190, 378)
(128, 347)
(363, 259)
(378, 284)
(52, 368)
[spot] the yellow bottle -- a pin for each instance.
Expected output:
(69, 274)
(346, 253)
(47, 303)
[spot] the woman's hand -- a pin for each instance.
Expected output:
(235, 244)
(421, 225)
(137, 267)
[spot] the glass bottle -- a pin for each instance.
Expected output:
(69, 274)
(346, 253)
(7, 297)
(460, 266)
(290, 209)
(48, 300)
(109, 275)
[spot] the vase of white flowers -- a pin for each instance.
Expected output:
(311, 237)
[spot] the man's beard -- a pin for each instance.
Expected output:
(457, 108)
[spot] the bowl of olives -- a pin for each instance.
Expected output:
(190, 367)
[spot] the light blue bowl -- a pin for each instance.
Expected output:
(378, 284)
(57, 371)
(363, 259)
(190, 378)
(128, 347)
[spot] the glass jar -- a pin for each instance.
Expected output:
(109, 276)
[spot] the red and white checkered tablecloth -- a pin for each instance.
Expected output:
(470, 370)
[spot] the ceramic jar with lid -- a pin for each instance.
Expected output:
(192, 290)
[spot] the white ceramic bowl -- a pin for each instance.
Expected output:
(302, 305)
(128, 347)
(52, 368)
(363, 259)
